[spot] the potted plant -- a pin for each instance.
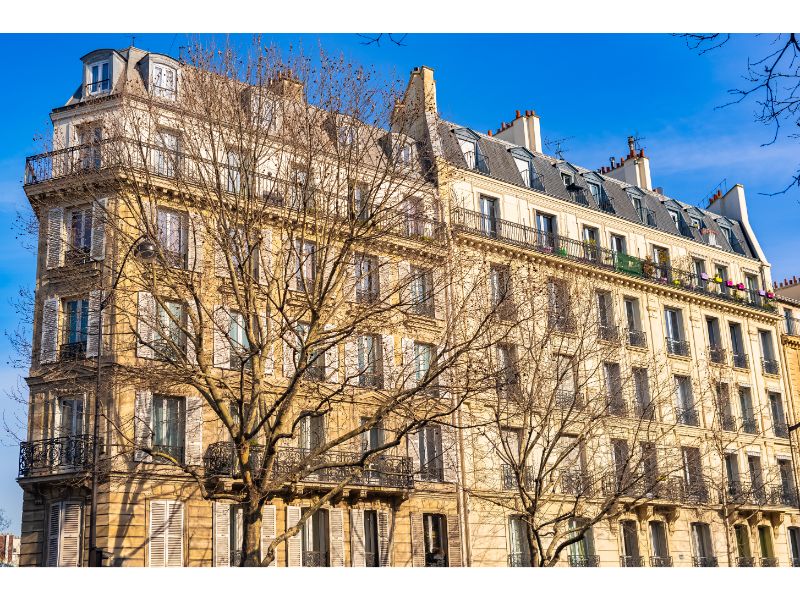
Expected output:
(762, 293)
(717, 279)
(770, 295)
(677, 281)
(562, 251)
(648, 267)
(729, 283)
(740, 287)
(704, 276)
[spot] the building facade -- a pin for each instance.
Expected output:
(671, 284)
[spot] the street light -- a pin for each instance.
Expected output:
(144, 250)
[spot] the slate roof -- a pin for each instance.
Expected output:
(502, 166)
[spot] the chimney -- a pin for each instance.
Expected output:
(523, 131)
(287, 85)
(633, 169)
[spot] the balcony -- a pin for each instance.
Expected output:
(669, 489)
(423, 309)
(741, 361)
(660, 561)
(783, 495)
(506, 310)
(575, 482)
(678, 347)
(750, 425)
(769, 561)
(696, 492)
(371, 380)
(567, 400)
(770, 366)
(717, 355)
(509, 477)
(780, 430)
(616, 406)
(432, 471)
(315, 559)
(631, 561)
(53, 456)
(75, 257)
(561, 322)
(645, 409)
(546, 242)
(745, 561)
(519, 559)
(379, 471)
(688, 416)
(705, 561)
(636, 338)
(592, 560)
(73, 351)
(608, 333)
(727, 422)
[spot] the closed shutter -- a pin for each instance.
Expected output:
(142, 426)
(357, 557)
(332, 361)
(336, 521)
(410, 377)
(292, 263)
(450, 453)
(294, 549)
(389, 371)
(351, 368)
(55, 226)
(349, 282)
(71, 525)
(265, 257)
(385, 527)
(53, 530)
(191, 347)
(92, 345)
(195, 243)
(194, 430)
(221, 263)
(174, 531)
(222, 345)
(412, 441)
(157, 547)
(444, 379)
(417, 541)
(222, 534)
(404, 283)
(453, 541)
(268, 531)
(98, 243)
(145, 324)
(48, 352)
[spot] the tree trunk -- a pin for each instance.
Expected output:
(251, 550)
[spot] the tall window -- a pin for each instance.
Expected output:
(732, 474)
(702, 547)
(524, 168)
(749, 422)
(724, 410)
(80, 229)
(360, 201)
(367, 278)
(765, 546)
(421, 288)
(693, 474)
(489, 215)
(779, 426)
(315, 540)
(649, 464)
(591, 239)
(435, 531)
(716, 352)
(607, 330)
(431, 459)
(581, 552)
(508, 376)
(76, 328)
(768, 360)
(424, 359)
(559, 314)
(613, 381)
(301, 196)
(519, 546)
(169, 418)
(167, 154)
(674, 328)
(721, 271)
(469, 148)
(500, 291)
(659, 550)
(370, 359)
(618, 244)
(240, 347)
(99, 77)
(630, 544)
(371, 544)
(744, 556)
(661, 258)
(71, 416)
(312, 432)
(173, 234)
(169, 339)
(641, 389)
(565, 384)
(234, 183)
(756, 477)
(306, 265)
(687, 413)
(793, 533)
(786, 489)
(89, 138)
(165, 82)
(737, 346)
(633, 322)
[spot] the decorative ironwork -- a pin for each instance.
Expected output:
(745, 561)
(55, 455)
(519, 559)
(717, 355)
(770, 366)
(678, 347)
(175, 452)
(315, 559)
(769, 561)
(631, 561)
(750, 425)
(705, 561)
(435, 560)
(616, 406)
(741, 361)
(567, 399)
(688, 416)
(727, 422)
(780, 430)
(592, 560)
(783, 495)
(608, 333)
(510, 480)
(575, 482)
(637, 338)
(660, 561)
(73, 351)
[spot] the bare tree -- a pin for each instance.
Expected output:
(4, 522)
(297, 275)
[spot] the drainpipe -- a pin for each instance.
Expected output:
(791, 428)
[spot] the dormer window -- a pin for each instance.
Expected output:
(696, 223)
(675, 218)
(567, 178)
(595, 189)
(347, 134)
(99, 77)
(165, 82)
(404, 154)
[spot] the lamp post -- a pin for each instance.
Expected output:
(144, 250)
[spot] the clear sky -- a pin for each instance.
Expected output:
(594, 90)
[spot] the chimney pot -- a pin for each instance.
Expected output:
(489, 133)
(518, 114)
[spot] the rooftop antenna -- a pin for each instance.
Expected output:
(722, 185)
(556, 146)
(133, 41)
(636, 139)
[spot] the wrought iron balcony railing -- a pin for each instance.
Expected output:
(705, 561)
(174, 452)
(562, 322)
(696, 492)
(727, 422)
(315, 559)
(745, 561)
(424, 309)
(435, 560)
(769, 561)
(783, 495)
(592, 560)
(519, 559)
(631, 561)
(567, 400)
(678, 347)
(371, 380)
(616, 406)
(770, 366)
(432, 471)
(749, 425)
(717, 355)
(740, 360)
(379, 471)
(75, 257)
(66, 454)
(630, 485)
(796, 561)
(73, 351)
(575, 482)
(688, 416)
(645, 409)
(780, 430)
(637, 338)
(510, 480)
(660, 561)
(608, 333)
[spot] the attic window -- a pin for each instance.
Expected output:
(696, 223)
(404, 154)
(675, 218)
(99, 77)
(472, 155)
(165, 82)
(567, 178)
(346, 134)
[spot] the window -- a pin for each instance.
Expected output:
(519, 554)
(508, 376)
(421, 288)
(315, 361)
(699, 266)
(591, 238)
(636, 337)
(791, 324)
(405, 154)
(546, 230)
(614, 400)
(749, 423)
(76, 329)
(693, 475)
(661, 260)
(721, 272)
(424, 359)
(306, 265)
(372, 438)
(314, 536)
(371, 544)
(312, 432)
(649, 465)
(360, 201)
(630, 544)
(165, 82)
(702, 547)
(473, 156)
(166, 154)
(768, 360)
(793, 533)
(169, 339)
(524, 168)
(659, 550)
(80, 230)
(751, 283)
(367, 279)
(726, 419)
(744, 556)
(431, 459)
(581, 552)
(564, 392)
(512, 438)
(738, 355)
(168, 424)
(234, 183)
(607, 330)
(488, 215)
(346, 135)
(595, 190)
(695, 223)
(716, 353)
(786, 489)
(301, 194)
(779, 426)
(559, 314)
(435, 531)
(91, 155)
(173, 234)
(70, 417)
(99, 77)
(756, 477)
(236, 534)
(620, 454)
(500, 291)
(730, 237)
(618, 244)
(567, 179)
(733, 475)
(641, 389)
(687, 414)
(765, 546)
(240, 347)
(673, 319)
(64, 528)
(370, 361)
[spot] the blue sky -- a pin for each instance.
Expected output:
(593, 89)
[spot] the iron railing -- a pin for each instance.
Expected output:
(705, 561)
(696, 492)
(608, 333)
(796, 561)
(669, 489)
(741, 361)
(678, 347)
(750, 425)
(592, 560)
(575, 482)
(727, 422)
(660, 561)
(783, 495)
(717, 355)
(174, 452)
(519, 559)
(688, 416)
(510, 480)
(637, 338)
(581, 251)
(745, 561)
(562, 322)
(435, 560)
(616, 406)
(313, 558)
(631, 561)
(780, 430)
(769, 561)
(55, 455)
(73, 351)
(424, 309)
(75, 257)
(645, 409)
(770, 366)
(432, 471)
(567, 400)
(371, 380)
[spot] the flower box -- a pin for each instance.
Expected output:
(770, 295)
(729, 283)
(762, 293)
(717, 279)
(704, 276)
(740, 287)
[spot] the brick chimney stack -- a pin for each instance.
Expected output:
(523, 131)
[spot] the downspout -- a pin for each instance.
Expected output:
(790, 406)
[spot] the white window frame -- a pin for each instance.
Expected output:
(99, 86)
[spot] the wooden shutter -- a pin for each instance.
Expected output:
(409, 376)
(98, 243)
(191, 347)
(142, 426)
(454, 541)
(222, 343)
(174, 532)
(417, 541)
(349, 282)
(332, 361)
(194, 430)
(389, 372)
(351, 369)
(336, 531)
(55, 226)
(53, 530)
(268, 530)
(71, 526)
(94, 323)
(288, 356)
(196, 231)
(384, 537)
(157, 546)
(450, 453)
(145, 325)
(444, 379)
(220, 262)
(294, 549)
(48, 352)
(357, 557)
(222, 534)
(265, 257)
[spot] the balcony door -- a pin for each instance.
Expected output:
(630, 543)
(488, 216)
(70, 418)
(701, 541)
(315, 540)
(658, 540)
(742, 543)
(765, 542)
